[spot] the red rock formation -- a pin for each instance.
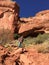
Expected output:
(38, 23)
(16, 57)
(9, 12)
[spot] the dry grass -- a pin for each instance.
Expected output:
(41, 43)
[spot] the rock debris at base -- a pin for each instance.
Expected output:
(28, 57)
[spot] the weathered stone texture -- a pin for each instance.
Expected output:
(38, 23)
(9, 12)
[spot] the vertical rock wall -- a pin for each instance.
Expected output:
(9, 12)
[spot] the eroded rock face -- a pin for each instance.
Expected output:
(9, 12)
(38, 23)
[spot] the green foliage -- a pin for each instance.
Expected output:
(16, 36)
(36, 40)
(40, 43)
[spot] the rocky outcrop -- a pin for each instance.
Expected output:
(8, 58)
(10, 23)
(9, 12)
(36, 24)
(14, 56)
(9, 20)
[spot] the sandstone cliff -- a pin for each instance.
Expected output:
(10, 22)
(38, 23)
(9, 19)
(9, 13)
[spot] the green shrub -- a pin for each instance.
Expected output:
(44, 47)
(36, 40)
(41, 38)
(16, 36)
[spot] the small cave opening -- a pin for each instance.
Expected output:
(34, 34)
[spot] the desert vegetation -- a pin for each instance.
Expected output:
(41, 42)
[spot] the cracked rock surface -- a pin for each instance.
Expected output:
(17, 56)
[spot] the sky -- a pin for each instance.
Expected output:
(29, 8)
